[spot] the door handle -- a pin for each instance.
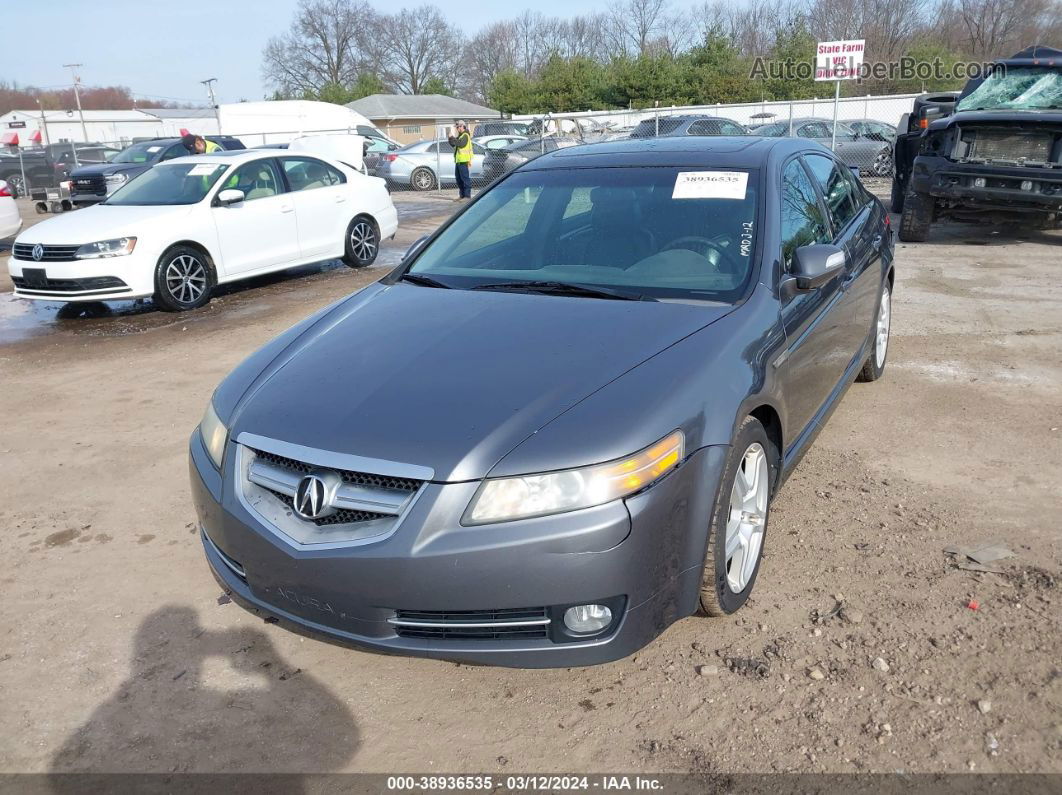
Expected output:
(877, 241)
(286, 208)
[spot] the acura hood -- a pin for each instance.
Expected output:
(102, 222)
(451, 379)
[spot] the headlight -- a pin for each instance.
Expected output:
(214, 434)
(115, 181)
(107, 248)
(505, 499)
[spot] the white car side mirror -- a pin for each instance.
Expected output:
(230, 196)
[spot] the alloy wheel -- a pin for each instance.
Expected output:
(748, 518)
(423, 180)
(363, 241)
(17, 186)
(881, 337)
(186, 278)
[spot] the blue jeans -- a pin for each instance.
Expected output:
(464, 181)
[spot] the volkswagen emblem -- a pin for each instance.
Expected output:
(38, 252)
(311, 498)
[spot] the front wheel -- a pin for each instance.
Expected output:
(362, 243)
(16, 185)
(874, 366)
(917, 217)
(739, 520)
(184, 279)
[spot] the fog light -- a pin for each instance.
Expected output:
(585, 619)
(979, 182)
(1026, 184)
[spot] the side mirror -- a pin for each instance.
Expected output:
(816, 265)
(230, 196)
(417, 245)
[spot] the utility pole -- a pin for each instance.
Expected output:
(73, 67)
(209, 83)
(44, 122)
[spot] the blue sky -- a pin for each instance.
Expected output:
(165, 48)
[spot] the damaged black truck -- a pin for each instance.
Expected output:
(996, 159)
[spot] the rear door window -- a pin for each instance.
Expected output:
(838, 188)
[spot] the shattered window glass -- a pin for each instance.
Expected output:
(1027, 88)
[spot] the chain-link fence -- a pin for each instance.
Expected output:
(861, 130)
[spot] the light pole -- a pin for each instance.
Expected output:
(73, 67)
(209, 83)
(44, 122)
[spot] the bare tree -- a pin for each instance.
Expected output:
(492, 51)
(417, 45)
(636, 24)
(329, 43)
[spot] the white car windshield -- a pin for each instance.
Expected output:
(170, 183)
(661, 232)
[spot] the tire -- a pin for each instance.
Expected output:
(896, 203)
(883, 166)
(874, 366)
(422, 179)
(726, 584)
(16, 185)
(184, 279)
(362, 242)
(917, 217)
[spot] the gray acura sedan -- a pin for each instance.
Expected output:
(557, 427)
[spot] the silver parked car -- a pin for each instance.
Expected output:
(420, 166)
(868, 154)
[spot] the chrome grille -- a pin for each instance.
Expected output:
(360, 504)
(24, 251)
(518, 623)
(1010, 145)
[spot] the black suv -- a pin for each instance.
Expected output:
(998, 157)
(92, 184)
(46, 166)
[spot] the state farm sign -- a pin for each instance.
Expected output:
(839, 60)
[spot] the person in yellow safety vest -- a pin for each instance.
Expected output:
(198, 145)
(461, 141)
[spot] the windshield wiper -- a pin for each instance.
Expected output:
(423, 281)
(564, 288)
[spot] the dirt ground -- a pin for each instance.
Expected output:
(858, 652)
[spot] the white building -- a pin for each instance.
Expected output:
(253, 122)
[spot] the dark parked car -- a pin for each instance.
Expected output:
(692, 124)
(557, 427)
(873, 129)
(997, 157)
(46, 166)
(503, 127)
(93, 184)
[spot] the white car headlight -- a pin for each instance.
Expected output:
(505, 499)
(118, 247)
(214, 434)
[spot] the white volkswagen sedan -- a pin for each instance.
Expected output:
(189, 224)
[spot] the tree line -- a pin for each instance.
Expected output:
(15, 97)
(637, 53)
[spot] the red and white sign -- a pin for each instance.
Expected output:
(839, 60)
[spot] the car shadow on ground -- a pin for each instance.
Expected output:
(199, 700)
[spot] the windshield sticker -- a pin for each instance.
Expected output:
(154, 148)
(710, 185)
(203, 170)
(746, 238)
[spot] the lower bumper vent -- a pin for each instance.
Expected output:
(505, 624)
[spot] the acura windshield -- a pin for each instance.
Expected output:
(1017, 88)
(661, 232)
(170, 183)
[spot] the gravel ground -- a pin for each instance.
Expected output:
(860, 651)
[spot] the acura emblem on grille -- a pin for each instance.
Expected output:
(309, 499)
(38, 252)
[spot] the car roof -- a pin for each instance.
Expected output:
(724, 151)
(237, 156)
